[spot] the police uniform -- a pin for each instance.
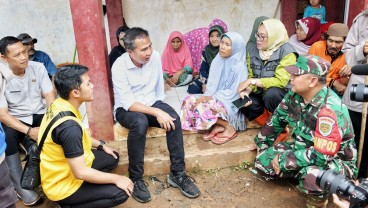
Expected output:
(321, 129)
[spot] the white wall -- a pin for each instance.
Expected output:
(161, 17)
(49, 21)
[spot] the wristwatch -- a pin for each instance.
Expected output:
(100, 147)
(253, 82)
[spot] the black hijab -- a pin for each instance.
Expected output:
(212, 51)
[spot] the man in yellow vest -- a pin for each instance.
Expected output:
(72, 173)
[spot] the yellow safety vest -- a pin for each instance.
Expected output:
(57, 179)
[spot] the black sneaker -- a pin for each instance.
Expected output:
(141, 192)
(185, 184)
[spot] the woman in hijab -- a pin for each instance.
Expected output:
(197, 39)
(268, 80)
(214, 110)
(308, 31)
(252, 39)
(198, 86)
(176, 61)
(118, 50)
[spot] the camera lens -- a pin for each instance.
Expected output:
(339, 184)
(359, 92)
(335, 183)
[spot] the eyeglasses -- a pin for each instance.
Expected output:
(258, 36)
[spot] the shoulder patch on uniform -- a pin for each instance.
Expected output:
(327, 137)
(325, 125)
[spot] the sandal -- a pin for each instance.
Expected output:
(223, 139)
(208, 136)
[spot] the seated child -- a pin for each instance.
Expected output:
(316, 10)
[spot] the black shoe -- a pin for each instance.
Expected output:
(141, 192)
(185, 184)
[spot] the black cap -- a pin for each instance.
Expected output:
(25, 38)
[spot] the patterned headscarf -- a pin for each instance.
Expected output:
(197, 39)
(277, 36)
(312, 28)
(173, 61)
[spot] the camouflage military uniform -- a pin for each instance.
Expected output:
(301, 159)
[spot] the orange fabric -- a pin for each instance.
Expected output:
(319, 49)
(282, 136)
(262, 119)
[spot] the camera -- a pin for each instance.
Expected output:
(339, 184)
(359, 92)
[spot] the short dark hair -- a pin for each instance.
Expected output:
(7, 41)
(121, 29)
(321, 79)
(320, 2)
(132, 34)
(68, 78)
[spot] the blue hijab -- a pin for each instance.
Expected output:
(225, 76)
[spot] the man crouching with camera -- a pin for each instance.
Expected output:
(322, 132)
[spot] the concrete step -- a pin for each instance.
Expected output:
(199, 154)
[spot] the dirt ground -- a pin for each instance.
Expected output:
(229, 187)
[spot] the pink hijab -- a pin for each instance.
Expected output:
(197, 39)
(173, 61)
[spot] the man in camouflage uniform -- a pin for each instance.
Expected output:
(322, 132)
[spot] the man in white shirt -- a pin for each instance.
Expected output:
(138, 91)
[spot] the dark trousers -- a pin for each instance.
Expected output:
(356, 119)
(14, 137)
(138, 123)
(269, 100)
(97, 195)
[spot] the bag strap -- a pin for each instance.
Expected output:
(60, 115)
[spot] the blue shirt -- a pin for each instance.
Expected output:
(133, 84)
(2, 140)
(42, 57)
(319, 13)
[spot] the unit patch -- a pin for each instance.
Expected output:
(327, 137)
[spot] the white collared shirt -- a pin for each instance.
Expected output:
(133, 84)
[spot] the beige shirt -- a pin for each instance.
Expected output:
(23, 95)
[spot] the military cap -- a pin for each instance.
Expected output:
(309, 64)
